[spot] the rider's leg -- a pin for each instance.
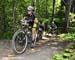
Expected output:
(33, 37)
(33, 34)
(34, 31)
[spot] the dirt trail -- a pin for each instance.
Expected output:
(43, 50)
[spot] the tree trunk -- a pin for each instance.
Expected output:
(73, 6)
(66, 21)
(14, 13)
(53, 12)
(46, 9)
(35, 6)
(2, 19)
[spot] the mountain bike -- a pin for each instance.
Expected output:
(22, 37)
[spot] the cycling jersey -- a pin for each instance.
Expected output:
(31, 18)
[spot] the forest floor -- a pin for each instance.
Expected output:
(43, 51)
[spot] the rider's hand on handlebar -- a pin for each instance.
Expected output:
(24, 18)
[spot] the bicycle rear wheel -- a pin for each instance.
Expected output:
(39, 36)
(19, 42)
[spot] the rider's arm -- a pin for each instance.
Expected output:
(36, 20)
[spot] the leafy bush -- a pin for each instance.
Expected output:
(67, 37)
(69, 54)
(72, 19)
(7, 35)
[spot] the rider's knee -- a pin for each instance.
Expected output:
(33, 29)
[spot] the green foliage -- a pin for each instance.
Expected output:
(21, 11)
(7, 35)
(67, 37)
(57, 57)
(72, 19)
(69, 51)
(69, 54)
(46, 21)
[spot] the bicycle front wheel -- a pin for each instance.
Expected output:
(19, 42)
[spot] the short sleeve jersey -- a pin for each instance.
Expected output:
(31, 17)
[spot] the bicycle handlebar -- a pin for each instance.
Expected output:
(25, 22)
